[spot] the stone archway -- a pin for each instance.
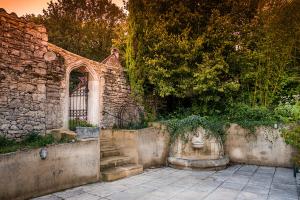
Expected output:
(93, 97)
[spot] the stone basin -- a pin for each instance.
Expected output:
(184, 155)
(192, 163)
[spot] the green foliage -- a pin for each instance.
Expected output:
(132, 126)
(251, 117)
(215, 53)
(82, 27)
(288, 112)
(244, 115)
(79, 123)
(292, 137)
(180, 127)
(32, 140)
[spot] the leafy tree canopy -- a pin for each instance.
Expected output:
(213, 54)
(84, 27)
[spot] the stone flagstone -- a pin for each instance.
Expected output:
(233, 183)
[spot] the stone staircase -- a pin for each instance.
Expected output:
(114, 165)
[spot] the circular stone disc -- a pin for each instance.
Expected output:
(50, 56)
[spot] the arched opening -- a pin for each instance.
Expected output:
(82, 98)
(78, 98)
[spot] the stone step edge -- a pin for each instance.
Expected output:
(105, 154)
(123, 171)
(114, 160)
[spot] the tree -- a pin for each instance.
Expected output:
(177, 49)
(84, 27)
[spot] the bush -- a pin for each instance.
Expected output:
(214, 125)
(246, 116)
(288, 112)
(32, 140)
(251, 117)
(292, 137)
(73, 123)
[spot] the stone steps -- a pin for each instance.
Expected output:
(107, 153)
(108, 148)
(113, 165)
(114, 161)
(116, 173)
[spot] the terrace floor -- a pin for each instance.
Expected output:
(238, 182)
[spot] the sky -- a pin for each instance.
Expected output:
(22, 7)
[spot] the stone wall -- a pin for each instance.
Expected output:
(30, 85)
(265, 147)
(24, 174)
(148, 147)
(34, 81)
(183, 148)
(114, 91)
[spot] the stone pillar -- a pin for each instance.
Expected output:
(93, 102)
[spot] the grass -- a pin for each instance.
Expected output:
(31, 141)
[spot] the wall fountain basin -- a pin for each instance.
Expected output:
(197, 151)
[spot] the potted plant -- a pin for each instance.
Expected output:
(84, 129)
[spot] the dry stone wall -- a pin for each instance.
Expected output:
(116, 93)
(30, 86)
(34, 81)
(114, 88)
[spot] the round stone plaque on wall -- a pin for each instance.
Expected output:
(50, 56)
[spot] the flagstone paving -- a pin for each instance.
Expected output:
(238, 182)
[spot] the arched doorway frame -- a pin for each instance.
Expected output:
(93, 98)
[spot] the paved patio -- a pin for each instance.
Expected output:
(238, 182)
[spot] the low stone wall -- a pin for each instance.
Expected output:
(148, 147)
(151, 146)
(24, 175)
(265, 147)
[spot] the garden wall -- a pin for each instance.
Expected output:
(24, 175)
(265, 147)
(30, 83)
(34, 82)
(149, 147)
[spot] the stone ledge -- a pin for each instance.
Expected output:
(183, 163)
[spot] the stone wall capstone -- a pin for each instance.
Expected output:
(30, 86)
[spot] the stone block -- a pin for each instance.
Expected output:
(15, 52)
(39, 97)
(40, 71)
(26, 87)
(5, 127)
(38, 54)
(41, 88)
(87, 132)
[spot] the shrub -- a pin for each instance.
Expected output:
(246, 116)
(32, 140)
(214, 125)
(288, 112)
(292, 137)
(251, 117)
(73, 123)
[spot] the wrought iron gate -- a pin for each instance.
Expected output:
(78, 105)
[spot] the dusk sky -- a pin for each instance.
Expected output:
(21, 7)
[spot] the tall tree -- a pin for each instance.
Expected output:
(84, 27)
(177, 49)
